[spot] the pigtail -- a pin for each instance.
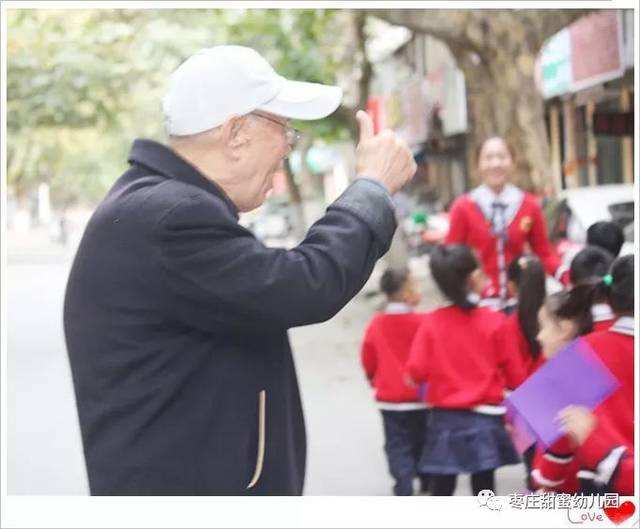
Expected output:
(528, 274)
(575, 305)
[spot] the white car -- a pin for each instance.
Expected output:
(579, 208)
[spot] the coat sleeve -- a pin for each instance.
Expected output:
(369, 354)
(553, 467)
(219, 276)
(540, 244)
(458, 228)
(606, 460)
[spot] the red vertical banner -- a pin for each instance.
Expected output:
(375, 108)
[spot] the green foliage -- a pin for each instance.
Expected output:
(81, 84)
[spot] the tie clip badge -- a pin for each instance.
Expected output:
(526, 223)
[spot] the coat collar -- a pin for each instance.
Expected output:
(623, 325)
(164, 161)
(511, 196)
(602, 312)
(395, 307)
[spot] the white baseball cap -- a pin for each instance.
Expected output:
(223, 81)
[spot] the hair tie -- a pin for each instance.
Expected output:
(608, 280)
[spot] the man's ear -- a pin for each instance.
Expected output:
(233, 135)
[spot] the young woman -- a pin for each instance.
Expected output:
(497, 219)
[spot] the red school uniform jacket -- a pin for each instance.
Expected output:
(615, 348)
(603, 317)
(385, 350)
(559, 468)
(513, 341)
(609, 462)
(469, 226)
(555, 468)
(455, 352)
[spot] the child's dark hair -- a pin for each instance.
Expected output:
(607, 235)
(451, 266)
(527, 273)
(590, 264)
(616, 287)
(573, 305)
(392, 280)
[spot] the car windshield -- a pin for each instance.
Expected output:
(622, 213)
(628, 233)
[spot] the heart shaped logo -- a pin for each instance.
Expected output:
(620, 513)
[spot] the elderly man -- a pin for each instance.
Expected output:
(176, 316)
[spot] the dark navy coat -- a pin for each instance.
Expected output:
(176, 323)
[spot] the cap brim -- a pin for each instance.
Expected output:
(306, 101)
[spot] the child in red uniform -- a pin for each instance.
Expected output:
(614, 347)
(590, 265)
(610, 458)
(559, 468)
(526, 283)
(384, 353)
(455, 352)
(564, 316)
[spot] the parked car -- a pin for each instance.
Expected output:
(576, 209)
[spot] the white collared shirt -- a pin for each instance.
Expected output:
(624, 325)
(602, 312)
(511, 196)
(396, 307)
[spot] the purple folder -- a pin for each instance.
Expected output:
(575, 376)
(521, 433)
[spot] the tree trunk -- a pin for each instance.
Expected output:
(295, 198)
(503, 100)
(496, 50)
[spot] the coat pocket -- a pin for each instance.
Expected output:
(262, 407)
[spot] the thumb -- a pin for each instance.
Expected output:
(365, 125)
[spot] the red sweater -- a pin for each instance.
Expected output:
(456, 352)
(615, 426)
(616, 413)
(469, 226)
(609, 461)
(513, 341)
(555, 469)
(385, 349)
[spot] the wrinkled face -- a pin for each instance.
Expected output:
(260, 158)
(554, 334)
(495, 163)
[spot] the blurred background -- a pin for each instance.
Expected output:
(83, 83)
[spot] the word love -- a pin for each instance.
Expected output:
(585, 517)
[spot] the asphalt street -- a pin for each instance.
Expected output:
(345, 455)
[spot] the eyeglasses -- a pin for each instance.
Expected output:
(291, 135)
